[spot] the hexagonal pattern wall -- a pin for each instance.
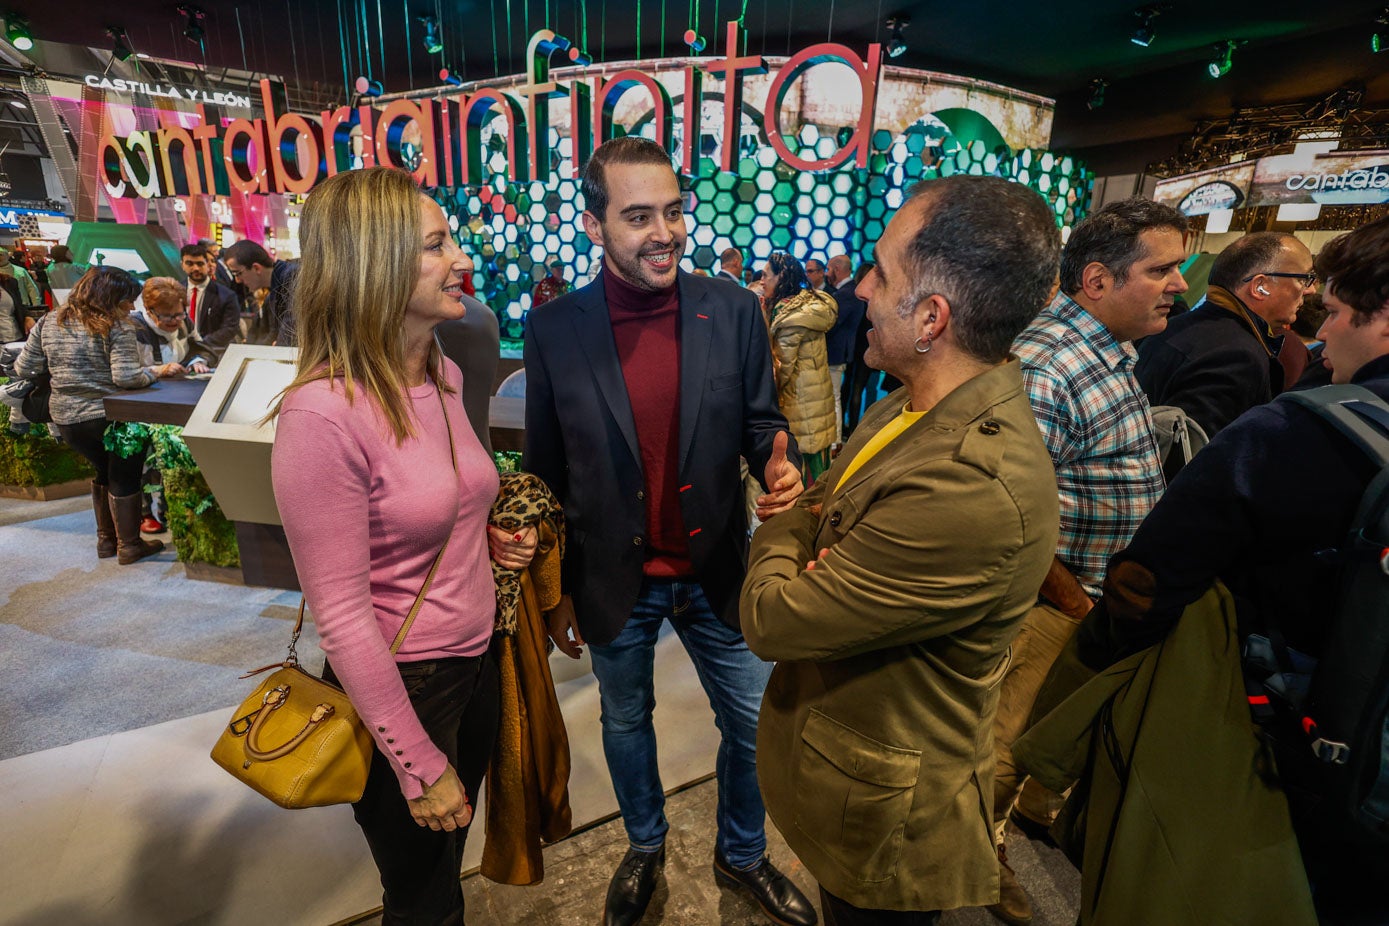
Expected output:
(511, 230)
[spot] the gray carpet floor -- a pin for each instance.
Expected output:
(89, 647)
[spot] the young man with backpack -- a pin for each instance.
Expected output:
(1288, 506)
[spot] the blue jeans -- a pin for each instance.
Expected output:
(734, 680)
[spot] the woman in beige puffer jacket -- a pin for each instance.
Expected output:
(799, 318)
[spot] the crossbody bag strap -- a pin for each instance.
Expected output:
(428, 579)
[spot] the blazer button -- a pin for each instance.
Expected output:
(835, 518)
(641, 496)
(990, 427)
(636, 541)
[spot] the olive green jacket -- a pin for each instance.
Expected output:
(875, 742)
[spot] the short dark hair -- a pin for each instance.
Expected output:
(815, 260)
(1111, 237)
(989, 246)
(192, 250)
(247, 253)
(1355, 267)
(1310, 316)
(61, 254)
(1246, 257)
(630, 149)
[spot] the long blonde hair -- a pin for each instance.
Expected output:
(360, 241)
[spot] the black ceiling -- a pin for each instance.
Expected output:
(1296, 50)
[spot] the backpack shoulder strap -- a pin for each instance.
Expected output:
(1354, 411)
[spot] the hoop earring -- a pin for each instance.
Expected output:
(919, 348)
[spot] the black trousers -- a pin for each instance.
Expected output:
(842, 913)
(121, 476)
(458, 701)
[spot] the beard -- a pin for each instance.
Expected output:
(641, 274)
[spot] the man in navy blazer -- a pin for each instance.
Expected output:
(214, 309)
(643, 390)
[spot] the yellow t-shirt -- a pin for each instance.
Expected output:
(878, 441)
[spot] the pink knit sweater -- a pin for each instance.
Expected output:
(365, 519)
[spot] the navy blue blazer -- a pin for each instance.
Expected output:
(581, 439)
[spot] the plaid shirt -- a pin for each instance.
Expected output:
(1097, 427)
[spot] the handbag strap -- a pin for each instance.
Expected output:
(428, 579)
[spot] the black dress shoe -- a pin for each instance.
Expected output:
(779, 899)
(630, 889)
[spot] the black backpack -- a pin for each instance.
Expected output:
(1340, 702)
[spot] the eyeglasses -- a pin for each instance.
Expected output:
(1308, 279)
(171, 318)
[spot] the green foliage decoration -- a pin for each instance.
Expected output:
(201, 531)
(508, 461)
(37, 458)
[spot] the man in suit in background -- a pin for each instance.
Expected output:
(839, 340)
(214, 312)
(643, 389)
(731, 266)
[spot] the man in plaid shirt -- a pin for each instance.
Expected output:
(1120, 271)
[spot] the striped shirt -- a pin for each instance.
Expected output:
(85, 368)
(1097, 427)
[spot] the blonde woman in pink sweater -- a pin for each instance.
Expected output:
(369, 497)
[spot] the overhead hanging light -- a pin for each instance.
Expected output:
(1220, 65)
(1143, 33)
(896, 44)
(17, 32)
(432, 43)
(450, 78)
(1097, 88)
(1380, 37)
(120, 43)
(193, 30)
(366, 87)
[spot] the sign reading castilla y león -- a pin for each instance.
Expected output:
(290, 152)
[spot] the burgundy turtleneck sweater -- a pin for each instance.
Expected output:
(646, 329)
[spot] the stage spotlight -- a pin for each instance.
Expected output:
(582, 58)
(193, 29)
(120, 43)
(1380, 37)
(450, 78)
(1220, 65)
(695, 41)
(17, 31)
(432, 43)
(896, 44)
(369, 88)
(1143, 33)
(1097, 88)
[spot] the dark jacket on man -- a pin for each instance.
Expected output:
(275, 322)
(1215, 362)
(581, 440)
(219, 318)
(840, 340)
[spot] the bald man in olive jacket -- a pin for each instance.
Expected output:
(889, 596)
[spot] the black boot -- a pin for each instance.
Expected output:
(130, 546)
(779, 899)
(631, 887)
(105, 523)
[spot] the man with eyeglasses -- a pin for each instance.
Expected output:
(1222, 358)
(253, 267)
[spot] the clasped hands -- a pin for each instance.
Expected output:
(512, 549)
(443, 805)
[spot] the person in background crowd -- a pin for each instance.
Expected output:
(473, 342)
(798, 317)
(28, 289)
(888, 597)
(1227, 516)
(374, 477)
(757, 283)
(90, 350)
(253, 268)
(863, 380)
(839, 341)
(14, 321)
(672, 374)
(1221, 359)
(220, 273)
(165, 344)
(1309, 320)
(552, 286)
(815, 274)
(214, 313)
(1120, 271)
(731, 266)
(63, 274)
